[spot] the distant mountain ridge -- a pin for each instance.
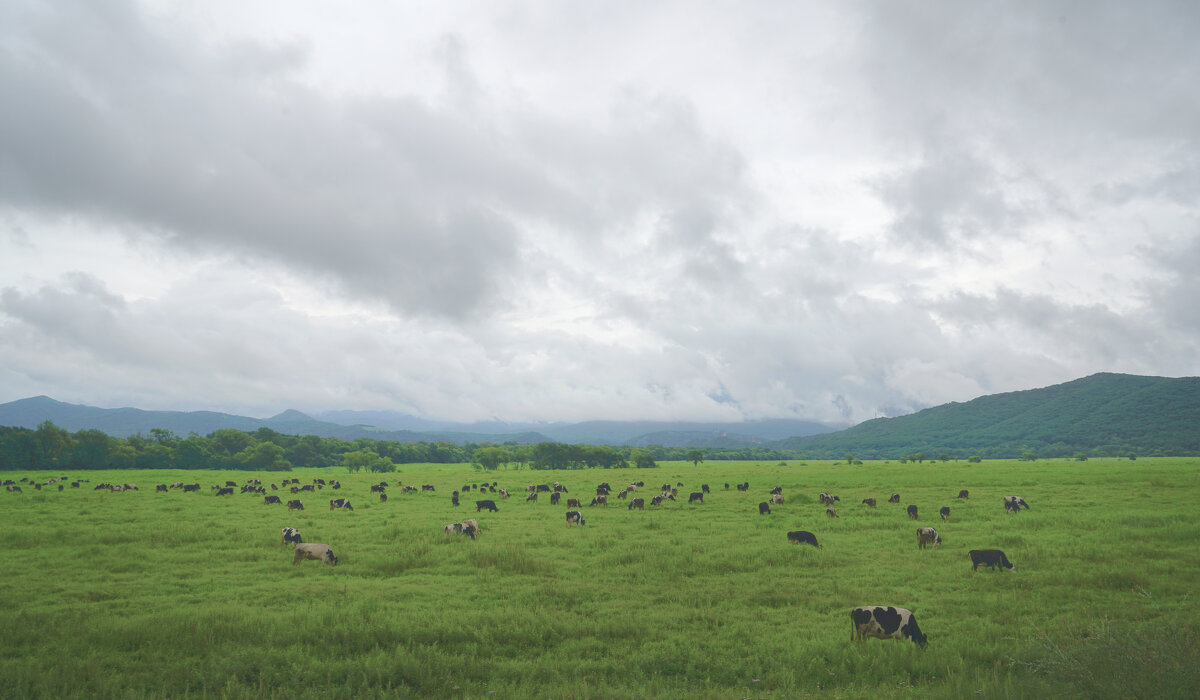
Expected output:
(351, 425)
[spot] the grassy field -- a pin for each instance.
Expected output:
(144, 594)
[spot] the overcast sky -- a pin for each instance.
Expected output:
(594, 210)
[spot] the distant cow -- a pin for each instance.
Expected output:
(991, 558)
(744, 486)
(600, 501)
(777, 489)
(555, 498)
(383, 498)
(656, 501)
(885, 623)
(912, 512)
(532, 496)
(927, 536)
(1012, 504)
(831, 512)
(776, 498)
(427, 487)
(378, 488)
(696, 496)
(289, 535)
(225, 492)
(489, 505)
(964, 494)
(295, 505)
(895, 498)
(160, 487)
(869, 502)
(312, 550)
(503, 493)
(828, 499)
(639, 503)
(764, 508)
(191, 487)
(704, 488)
(268, 500)
(231, 483)
(340, 503)
(474, 525)
(573, 503)
(574, 516)
(945, 512)
(803, 537)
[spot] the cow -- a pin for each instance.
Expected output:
(225, 491)
(133, 487)
(532, 496)
(777, 498)
(885, 623)
(945, 512)
(696, 496)
(573, 503)
(289, 535)
(295, 505)
(622, 494)
(831, 512)
(991, 558)
(268, 500)
(764, 508)
(803, 537)
(827, 499)
(704, 488)
(928, 536)
(656, 500)
(378, 488)
(161, 488)
(600, 501)
(474, 525)
(744, 486)
(231, 483)
(340, 503)
(726, 485)
(306, 487)
(543, 487)
(869, 502)
(912, 512)
(777, 489)
(895, 498)
(191, 487)
(454, 498)
(1012, 504)
(427, 487)
(383, 498)
(312, 550)
(490, 505)
(555, 498)
(503, 493)
(574, 516)
(964, 494)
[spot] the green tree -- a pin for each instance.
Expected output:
(642, 459)
(91, 450)
(695, 457)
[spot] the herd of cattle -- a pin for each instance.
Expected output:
(868, 621)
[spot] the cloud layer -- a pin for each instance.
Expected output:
(541, 212)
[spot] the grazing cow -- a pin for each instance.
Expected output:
(13, 489)
(340, 503)
(912, 512)
(777, 489)
(543, 487)
(177, 485)
(574, 516)
(532, 496)
(378, 488)
(895, 498)
(555, 498)
(726, 485)
(452, 528)
(503, 493)
(828, 499)
(744, 486)
(268, 500)
(945, 512)
(869, 502)
(231, 483)
(427, 487)
(831, 512)
(928, 536)
(191, 487)
(474, 525)
(764, 508)
(295, 505)
(964, 494)
(468, 530)
(1012, 504)
(573, 503)
(160, 488)
(704, 488)
(622, 494)
(991, 558)
(490, 505)
(777, 498)
(454, 498)
(696, 496)
(383, 498)
(289, 535)
(600, 501)
(639, 503)
(803, 537)
(656, 500)
(306, 487)
(225, 491)
(885, 623)
(312, 550)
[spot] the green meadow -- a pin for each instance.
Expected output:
(178, 595)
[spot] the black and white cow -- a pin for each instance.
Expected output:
(654, 501)
(990, 558)
(295, 505)
(600, 501)
(869, 502)
(885, 623)
(341, 504)
(827, 499)
(290, 535)
(831, 512)
(311, 550)
(488, 505)
(268, 500)
(927, 536)
(803, 537)
(764, 508)
(574, 516)
(225, 491)
(639, 503)
(895, 498)
(777, 499)
(1012, 504)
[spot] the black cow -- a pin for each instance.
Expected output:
(231, 483)
(869, 501)
(696, 496)
(555, 498)
(744, 486)
(191, 487)
(764, 508)
(884, 623)
(704, 488)
(160, 487)
(295, 505)
(964, 494)
(427, 487)
(945, 512)
(268, 500)
(544, 487)
(777, 489)
(225, 491)
(895, 498)
(383, 498)
(490, 505)
(804, 537)
(991, 558)
(574, 516)
(726, 485)
(912, 512)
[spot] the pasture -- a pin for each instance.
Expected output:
(145, 595)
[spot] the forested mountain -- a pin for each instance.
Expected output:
(1104, 414)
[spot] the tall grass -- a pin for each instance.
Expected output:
(140, 594)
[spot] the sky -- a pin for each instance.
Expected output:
(565, 211)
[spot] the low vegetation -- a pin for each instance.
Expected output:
(145, 594)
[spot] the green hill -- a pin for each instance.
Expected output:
(1114, 414)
